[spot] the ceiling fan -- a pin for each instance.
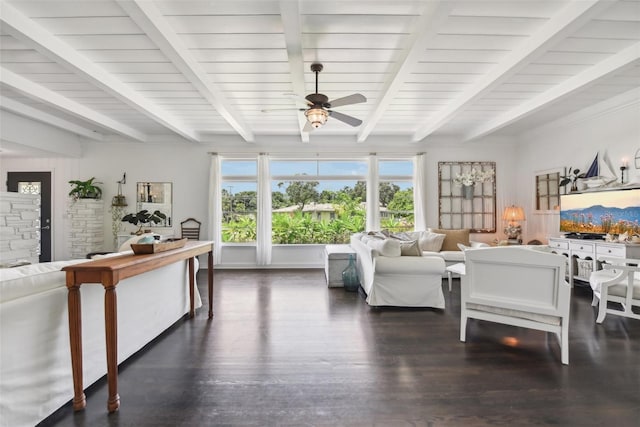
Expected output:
(319, 107)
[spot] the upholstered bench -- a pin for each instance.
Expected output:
(336, 259)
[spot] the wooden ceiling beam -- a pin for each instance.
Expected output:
(28, 111)
(574, 15)
(150, 20)
(426, 28)
(589, 77)
(27, 31)
(290, 14)
(48, 97)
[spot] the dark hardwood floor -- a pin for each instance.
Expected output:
(284, 350)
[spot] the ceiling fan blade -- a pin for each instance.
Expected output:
(298, 98)
(345, 118)
(268, 110)
(307, 127)
(356, 98)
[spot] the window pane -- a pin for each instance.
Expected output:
(395, 167)
(239, 211)
(342, 167)
(239, 167)
(396, 205)
(29, 187)
(293, 167)
(321, 211)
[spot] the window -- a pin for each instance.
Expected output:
(395, 192)
(239, 201)
(467, 196)
(317, 201)
(548, 191)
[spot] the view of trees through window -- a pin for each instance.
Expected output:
(313, 201)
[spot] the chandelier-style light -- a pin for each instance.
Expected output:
(316, 116)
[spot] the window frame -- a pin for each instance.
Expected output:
(561, 190)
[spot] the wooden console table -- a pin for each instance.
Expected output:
(109, 272)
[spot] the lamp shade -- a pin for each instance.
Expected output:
(316, 116)
(513, 213)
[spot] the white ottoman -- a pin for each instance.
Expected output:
(336, 259)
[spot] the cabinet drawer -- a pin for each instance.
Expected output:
(582, 247)
(610, 250)
(558, 245)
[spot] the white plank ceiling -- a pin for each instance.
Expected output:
(197, 69)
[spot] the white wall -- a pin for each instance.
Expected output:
(574, 144)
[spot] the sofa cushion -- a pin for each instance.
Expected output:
(453, 237)
(387, 247)
(536, 317)
(410, 248)
(33, 279)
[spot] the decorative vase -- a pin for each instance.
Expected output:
(350, 276)
(467, 192)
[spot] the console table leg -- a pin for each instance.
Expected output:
(75, 339)
(111, 330)
(192, 309)
(210, 282)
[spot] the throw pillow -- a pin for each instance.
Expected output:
(431, 242)
(453, 237)
(410, 248)
(388, 247)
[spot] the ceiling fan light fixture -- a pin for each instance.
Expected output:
(316, 116)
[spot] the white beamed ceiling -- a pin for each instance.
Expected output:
(204, 68)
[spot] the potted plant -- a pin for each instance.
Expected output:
(85, 189)
(572, 176)
(143, 218)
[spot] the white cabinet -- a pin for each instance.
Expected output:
(583, 255)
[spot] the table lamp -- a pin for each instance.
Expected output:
(513, 214)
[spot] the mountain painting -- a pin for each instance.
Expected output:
(613, 212)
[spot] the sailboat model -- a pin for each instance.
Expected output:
(592, 177)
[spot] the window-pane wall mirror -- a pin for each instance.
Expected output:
(156, 196)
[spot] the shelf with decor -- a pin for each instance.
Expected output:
(467, 196)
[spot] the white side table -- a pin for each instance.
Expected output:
(458, 268)
(336, 259)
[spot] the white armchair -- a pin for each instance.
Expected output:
(616, 282)
(517, 286)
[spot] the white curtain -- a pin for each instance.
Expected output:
(420, 192)
(373, 197)
(263, 255)
(215, 208)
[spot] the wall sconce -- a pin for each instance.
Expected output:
(624, 167)
(513, 230)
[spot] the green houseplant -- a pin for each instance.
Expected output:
(143, 218)
(572, 177)
(85, 189)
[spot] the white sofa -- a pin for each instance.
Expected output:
(406, 281)
(35, 361)
(520, 286)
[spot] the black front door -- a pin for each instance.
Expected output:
(43, 179)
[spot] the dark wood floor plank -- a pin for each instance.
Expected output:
(285, 350)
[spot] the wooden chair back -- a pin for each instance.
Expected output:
(190, 229)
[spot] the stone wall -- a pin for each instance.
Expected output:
(19, 227)
(86, 233)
